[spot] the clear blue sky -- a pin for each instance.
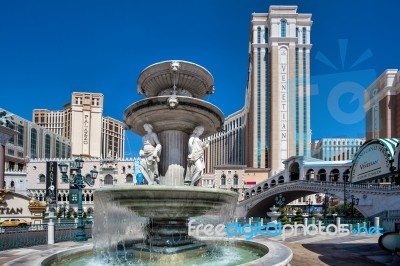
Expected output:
(48, 49)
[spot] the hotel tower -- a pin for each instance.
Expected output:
(276, 115)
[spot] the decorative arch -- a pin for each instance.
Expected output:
(334, 175)
(223, 180)
(273, 182)
(294, 171)
(42, 178)
(108, 180)
(235, 180)
(129, 178)
(281, 179)
(259, 190)
(322, 175)
(310, 175)
(266, 186)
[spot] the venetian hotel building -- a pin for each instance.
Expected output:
(275, 121)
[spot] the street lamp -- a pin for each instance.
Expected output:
(327, 200)
(79, 182)
(345, 177)
(309, 203)
(280, 200)
(354, 201)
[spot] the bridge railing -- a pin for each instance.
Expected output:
(321, 184)
(19, 237)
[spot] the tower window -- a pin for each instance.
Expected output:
(283, 28)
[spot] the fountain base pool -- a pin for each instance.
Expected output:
(217, 253)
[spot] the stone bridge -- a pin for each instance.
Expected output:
(372, 197)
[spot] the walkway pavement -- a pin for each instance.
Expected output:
(33, 256)
(336, 250)
(314, 250)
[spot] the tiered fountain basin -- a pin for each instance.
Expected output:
(167, 210)
(189, 113)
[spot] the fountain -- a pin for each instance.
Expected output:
(274, 214)
(151, 221)
(167, 119)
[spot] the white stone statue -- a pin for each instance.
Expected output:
(5, 119)
(195, 163)
(150, 155)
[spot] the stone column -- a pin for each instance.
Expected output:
(173, 157)
(376, 222)
(50, 232)
(5, 134)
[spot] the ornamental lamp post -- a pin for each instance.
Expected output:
(309, 203)
(280, 200)
(345, 179)
(79, 182)
(327, 200)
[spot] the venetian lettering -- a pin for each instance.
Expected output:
(283, 102)
(7, 210)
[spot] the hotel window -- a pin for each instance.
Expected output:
(235, 180)
(283, 28)
(57, 149)
(20, 136)
(33, 143)
(47, 147)
(266, 35)
(304, 35)
(258, 35)
(223, 180)
(42, 179)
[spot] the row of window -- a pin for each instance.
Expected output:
(108, 179)
(283, 32)
(235, 180)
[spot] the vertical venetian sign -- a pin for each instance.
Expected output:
(86, 133)
(283, 102)
(51, 180)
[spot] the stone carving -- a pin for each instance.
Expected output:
(5, 119)
(150, 155)
(35, 203)
(195, 164)
(3, 193)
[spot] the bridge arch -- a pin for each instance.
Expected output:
(294, 171)
(321, 176)
(368, 195)
(310, 174)
(334, 175)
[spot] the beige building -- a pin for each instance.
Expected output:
(32, 141)
(382, 106)
(279, 87)
(82, 121)
(274, 124)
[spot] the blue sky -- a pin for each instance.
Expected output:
(48, 49)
